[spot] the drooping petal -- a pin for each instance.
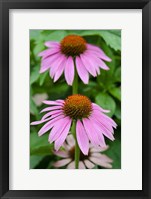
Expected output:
(52, 44)
(88, 65)
(82, 138)
(97, 107)
(92, 135)
(49, 125)
(57, 102)
(56, 64)
(102, 64)
(98, 132)
(70, 140)
(69, 70)
(58, 129)
(61, 139)
(62, 154)
(71, 165)
(99, 149)
(61, 163)
(60, 69)
(89, 164)
(49, 52)
(51, 108)
(82, 72)
(39, 122)
(100, 162)
(52, 113)
(103, 117)
(101, 53)
(92, 62)
(99, 126)
(102, 157)
(81, 165)
(47, 63)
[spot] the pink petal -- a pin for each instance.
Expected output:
(99, 149)
(92, 135)
(102, 129)
(97, 107)
(62, 163)
(71, 165)
(55, 65)
(100, 162)
(49, 52)
(102, 157)
(57, 102)
(69, 70)
(62, 154)
(46, 63)
(82, 72)
(52, 113)
(52, 44)
(58, 129)
(99, 133)
(40, 122)
(88, 65)
(61, 139)
(49, 125)
(89, 164)
(100, 116)
(50, 108)
(102, 64)
(82, 138)
(59, 72)
(81, 165)
(92, 62)
(100, 51)
(70, 140)
(60, 69)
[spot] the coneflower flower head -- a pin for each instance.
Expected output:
(73, 53)
(91, 122)
(89, 161)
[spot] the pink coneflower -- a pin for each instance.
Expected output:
(94, 157)
(91, 123)
(60, 57)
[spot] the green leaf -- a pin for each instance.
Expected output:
(33, 107)
(114, 152)
(39, 47)
(34, 161)
(56, 35)
(117, 75)
(118, 112)
(111, 37)
(34, 74)
(106, 102)
(34, 34)
(116, 92)
(42, 78)
(40, 145)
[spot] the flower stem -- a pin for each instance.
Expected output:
(75, 91)
(75, 82)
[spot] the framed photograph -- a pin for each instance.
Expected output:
(75, 99)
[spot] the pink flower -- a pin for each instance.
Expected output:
(89, 161)
(91, 123)
(60, 57)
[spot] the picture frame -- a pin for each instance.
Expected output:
(145, 193)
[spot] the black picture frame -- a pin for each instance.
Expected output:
(5, 6)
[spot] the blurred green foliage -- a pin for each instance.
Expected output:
(105, 89)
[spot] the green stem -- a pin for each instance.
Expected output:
(75, 91)
(75, 82)
(77, 149)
